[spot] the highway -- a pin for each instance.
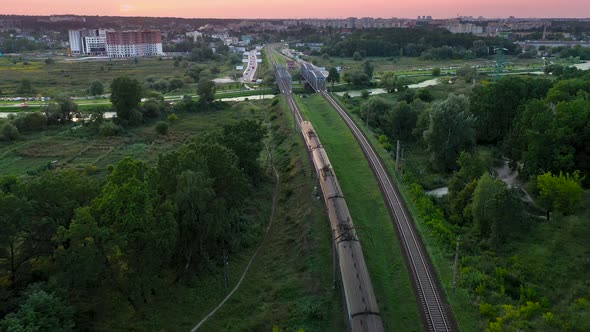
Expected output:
(250, 67)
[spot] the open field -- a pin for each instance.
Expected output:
(74, 77)
(75, 148)
(382, 251)
(416, 66)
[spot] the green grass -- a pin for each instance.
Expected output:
(75, 148)
(74, 77)
(417, 66)
(380, 246)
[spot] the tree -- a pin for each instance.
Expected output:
(15, 238)
(400, 120)
(357, 56)
(96, 88)
(436, 71)
(389, 81)
(40, 311)
(496, 105)
(496, 210)
(368, 68)
(206, 90)
(333, 76)
(64, 112)
(450, 131)
(138, 232)
(9, 131)
(162, 128)
(467, 72)
(245, 139)
(25, 87)
(480, 48)
(562, 193)
(425, 95)
(125, 96)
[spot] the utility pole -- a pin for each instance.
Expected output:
(397, 158)
(401, 163)
(455, 265)
(225, 263)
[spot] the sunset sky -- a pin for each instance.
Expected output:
(302, 8)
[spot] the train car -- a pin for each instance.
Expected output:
(359, 297)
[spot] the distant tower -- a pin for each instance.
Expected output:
(499, 61)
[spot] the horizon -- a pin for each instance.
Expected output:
(330, 9)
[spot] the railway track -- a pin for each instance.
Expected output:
(435, 311)
(361, 308)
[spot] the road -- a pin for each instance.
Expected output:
(251, 67)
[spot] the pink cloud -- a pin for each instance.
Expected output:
(303, 8)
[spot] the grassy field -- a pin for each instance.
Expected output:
(74, 77)
(74, 148)
(382, 251)
(417, 66)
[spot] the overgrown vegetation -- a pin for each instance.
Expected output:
(507, 271)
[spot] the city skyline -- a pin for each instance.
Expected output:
(303, 9)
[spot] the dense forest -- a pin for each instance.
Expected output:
(428, 43)
(536, 127)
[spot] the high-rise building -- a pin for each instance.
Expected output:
(88, 42)
(133, 43)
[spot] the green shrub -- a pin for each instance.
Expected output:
(9, 131)
(108, 128)
(90, 169)
(172, 117)
(162, 128)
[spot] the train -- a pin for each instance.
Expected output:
(362, 309)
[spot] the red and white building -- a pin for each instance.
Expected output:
(134, 43)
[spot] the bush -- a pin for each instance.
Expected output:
(172, 117)
(90, 169)
(162, 128)
(30, 121)
(135, 118)
(108, 128)
(9, 131)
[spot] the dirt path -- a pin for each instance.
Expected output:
(272, 214)
(510, 177)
